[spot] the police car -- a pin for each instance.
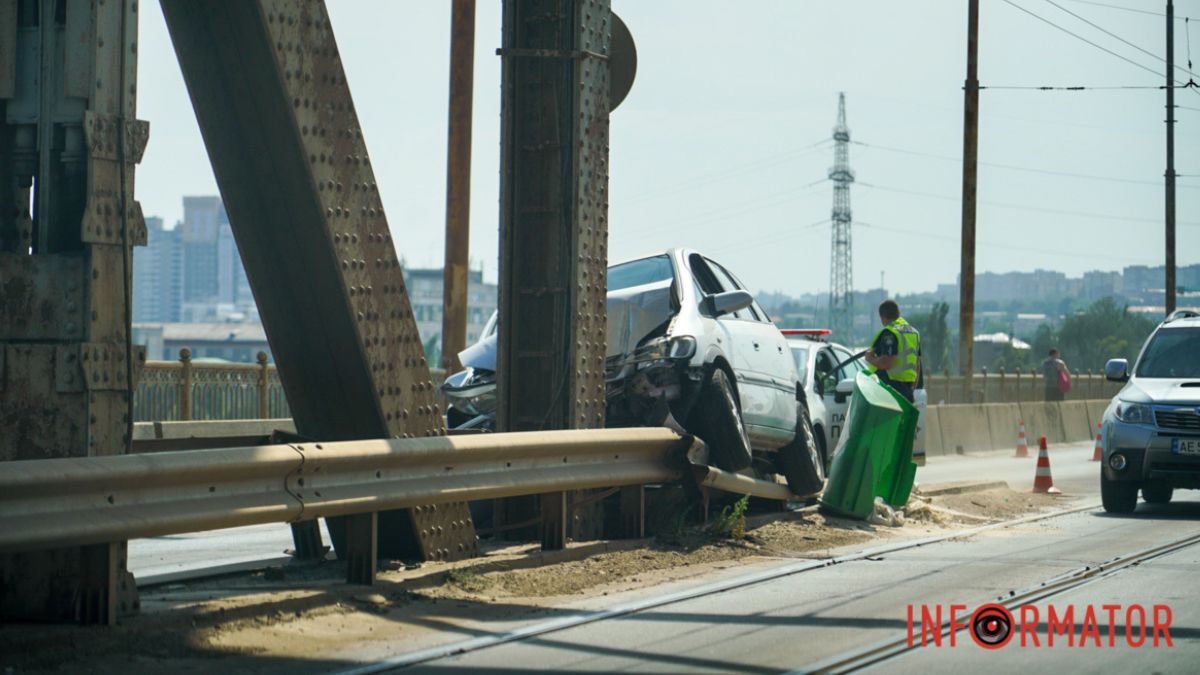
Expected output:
(827, 371)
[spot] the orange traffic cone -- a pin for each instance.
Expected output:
(1022, 445)
(1042, 481)
(1099, 452)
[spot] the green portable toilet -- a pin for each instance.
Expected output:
(874, 454)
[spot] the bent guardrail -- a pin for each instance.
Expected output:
(89, 500)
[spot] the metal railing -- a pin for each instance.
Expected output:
(184, 390)
(1013, 387)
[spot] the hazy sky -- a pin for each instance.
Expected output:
(720, 142)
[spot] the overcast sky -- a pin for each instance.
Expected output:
(719, 144)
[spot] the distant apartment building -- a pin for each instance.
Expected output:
(236, 342)
(158, 275)
(215, 286)
(425, 293)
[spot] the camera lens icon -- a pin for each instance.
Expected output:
(992, 626)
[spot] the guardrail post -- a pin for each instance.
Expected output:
(362, 546)
(185, 384)
(263, 384)
(633, 512)
(553, 526)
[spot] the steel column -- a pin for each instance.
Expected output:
(455, 278)
(69, 142)
(553, 217)
(270, 93)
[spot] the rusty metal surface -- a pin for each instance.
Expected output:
(270, 93)
(553, 222)
(455, 282)
(98, 499)
(71, 142)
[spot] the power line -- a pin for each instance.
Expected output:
(1083, 87)
(1083, 39)
(1127, 9)
(1025, 207)
(1114, 35)
(1013, 167)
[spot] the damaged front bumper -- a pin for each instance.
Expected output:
(654, 382)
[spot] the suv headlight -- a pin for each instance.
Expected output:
(682, 347)
(1134, 413)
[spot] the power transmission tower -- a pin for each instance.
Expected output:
(841, 269)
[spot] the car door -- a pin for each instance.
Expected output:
(769, 374)
(843, 367)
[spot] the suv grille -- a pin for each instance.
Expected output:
(1187, 419)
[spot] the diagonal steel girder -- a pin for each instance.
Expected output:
(269, 90)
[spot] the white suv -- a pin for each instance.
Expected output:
(1151, 432)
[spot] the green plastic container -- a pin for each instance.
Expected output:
(874, 454)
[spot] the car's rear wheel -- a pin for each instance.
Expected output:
(1118, 496)
(718, 422)
(1157, 492)
(800, 461)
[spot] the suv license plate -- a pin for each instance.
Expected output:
(1185, 446)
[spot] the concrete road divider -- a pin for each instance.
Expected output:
(964, 425)
(1096, 410)
(1043, 419)
(1076, 426)
(1004, 423)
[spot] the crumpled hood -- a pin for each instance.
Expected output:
(1169, 391)
(481, 355)
(634, 312)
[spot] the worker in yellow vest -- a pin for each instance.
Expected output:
(895, 352)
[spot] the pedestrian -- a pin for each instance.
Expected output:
(1057, 378)
(895, 352)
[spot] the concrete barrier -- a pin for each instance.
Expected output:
(966, 426)
(1096, 412)
(1076, 426)
(1004, 421)
(1043, 419)
(933, 432)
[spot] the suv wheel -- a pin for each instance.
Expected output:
(1157, 492)
(1118, 496)
(800, 461)
(718, 422)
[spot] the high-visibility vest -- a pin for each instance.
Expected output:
(909, 345)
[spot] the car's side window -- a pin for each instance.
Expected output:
(850, 369)
(824, 378)
(731, 284)
(705, 279)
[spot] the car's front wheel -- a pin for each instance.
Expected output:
(718, 422)
(1157, 492)
(1118, 496)
(800, 461)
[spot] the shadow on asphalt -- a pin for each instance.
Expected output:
(1183, 510)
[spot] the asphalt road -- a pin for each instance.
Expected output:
(164, 559)
(799, 621)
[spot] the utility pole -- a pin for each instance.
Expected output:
(455, 272)
(1170, 176)
(966, 282)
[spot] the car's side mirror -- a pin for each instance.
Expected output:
(1117, 370)
(720, 304)
(843, 389)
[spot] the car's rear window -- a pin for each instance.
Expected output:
(1172, 352)
(640, 272)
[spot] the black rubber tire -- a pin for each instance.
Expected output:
(1118, 496)
(1155, 492)
(718, 422)
(800, 461)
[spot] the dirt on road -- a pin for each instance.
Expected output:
(310, 620)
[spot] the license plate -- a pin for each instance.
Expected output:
(1185, 446)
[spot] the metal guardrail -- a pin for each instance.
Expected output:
(199, 390)
(90, 500)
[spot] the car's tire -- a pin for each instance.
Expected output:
(800, 461)
(1157, 492)
(718, 422)
(1118, 496)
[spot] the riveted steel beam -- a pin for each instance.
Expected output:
(553, 220)
(270, 93)
(69, 143)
